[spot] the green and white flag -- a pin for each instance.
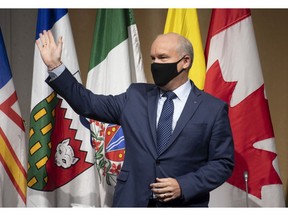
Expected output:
(115, 63)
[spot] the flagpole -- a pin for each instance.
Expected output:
(245, 175)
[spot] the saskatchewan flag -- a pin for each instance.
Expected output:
(61, 171)
(116, 62)
(185, 22)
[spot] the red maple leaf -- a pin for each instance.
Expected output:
(59, 176)
(250, 122)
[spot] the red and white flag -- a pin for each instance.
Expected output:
(13, 154)
(234, 74)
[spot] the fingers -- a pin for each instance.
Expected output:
(166, 189)
(46, 38)
(50, 38)
(49, 51)
(42, 39)
(161, 190)
(164, 197)
(39, 45)
(161, 183)
(59, 44)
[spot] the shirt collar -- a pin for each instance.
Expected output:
(182, 91)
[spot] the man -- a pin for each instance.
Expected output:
(175, 169)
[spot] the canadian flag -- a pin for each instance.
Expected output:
(234, 74)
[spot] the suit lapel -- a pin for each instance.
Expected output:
(152, 113)
(190, 107)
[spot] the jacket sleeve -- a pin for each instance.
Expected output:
(84, 102)
(220, 162)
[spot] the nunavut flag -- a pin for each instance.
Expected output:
(12, 139)
(61, 171)
(234, 74)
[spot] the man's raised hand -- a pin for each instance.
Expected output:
(50, 51)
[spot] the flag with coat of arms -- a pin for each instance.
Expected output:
(61, 171)
(115, 63)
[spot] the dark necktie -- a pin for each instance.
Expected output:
(164, 130)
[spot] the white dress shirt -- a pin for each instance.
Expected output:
(182, 93)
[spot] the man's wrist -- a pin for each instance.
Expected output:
(56, 72)
(53, 67)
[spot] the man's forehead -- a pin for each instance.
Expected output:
(171, 38)
(163, 45)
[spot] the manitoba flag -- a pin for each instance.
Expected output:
(234, 74)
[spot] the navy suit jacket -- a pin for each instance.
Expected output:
(200, 153)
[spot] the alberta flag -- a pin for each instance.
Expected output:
(61, 171)
(115, 63)
(13, 154)
(234, 74)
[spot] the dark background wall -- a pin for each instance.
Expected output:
(270, 25)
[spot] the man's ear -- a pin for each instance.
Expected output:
(187, 62)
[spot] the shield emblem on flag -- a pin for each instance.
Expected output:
(114, 143)
(109, 144)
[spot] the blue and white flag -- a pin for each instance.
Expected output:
(13, 154)
(61, 169)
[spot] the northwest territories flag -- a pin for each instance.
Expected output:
(234, 74)
(115, 63)
(13, 154)
(61, 168)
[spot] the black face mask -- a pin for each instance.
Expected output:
(164, 72)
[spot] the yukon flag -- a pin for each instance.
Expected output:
(13, 154)
(185, 23)
(115, 63)
(61, 170)
(234, 74)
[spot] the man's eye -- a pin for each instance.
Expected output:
(163, 57)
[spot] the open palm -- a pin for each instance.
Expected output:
(50, 51)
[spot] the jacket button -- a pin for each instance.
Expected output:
(157, 162)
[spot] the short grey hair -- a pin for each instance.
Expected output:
(185, 47)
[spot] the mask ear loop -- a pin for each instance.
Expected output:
(181, 59)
